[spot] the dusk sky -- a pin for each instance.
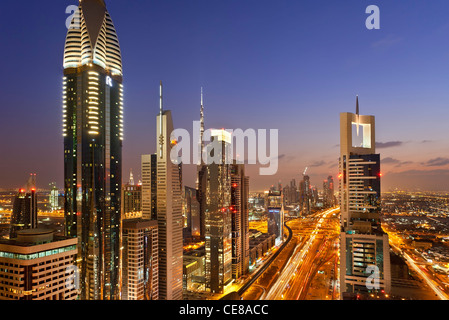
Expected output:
(289, 65)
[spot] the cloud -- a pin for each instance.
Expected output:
(317, 164)
(389, 144)
(437, 162)
(389, 160)
(386, 42)
(398, 163)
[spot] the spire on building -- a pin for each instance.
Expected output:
(131, 178)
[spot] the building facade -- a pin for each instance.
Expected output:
(24, 212)
(93, 135)
(216, 197)
(275, 211)
(140, 260)
(240, 220)
(38, 266)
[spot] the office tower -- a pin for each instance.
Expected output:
(328, 192)
(240, 220)
(24, 212)
(131, 201)
(93, 135)
(306, 190)
(192, 212)
(275, 219)
(140, 260)
(149, 186)
(38, 265)
(169, 210)
(53, 199)
(216, 198)
(364, 246)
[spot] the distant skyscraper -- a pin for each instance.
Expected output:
(169, 211)
(140, 260)
(53, 199)
(131, 201)
(328, 192)
(275, 210)
(93, 134)
(306, 195)
(24, 212)
(216, 197)
(364, 247)
(192, 212)
(240, 220)
(149, 186)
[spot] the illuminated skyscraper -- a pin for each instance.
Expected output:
(38, 265)
(93, 135)
(240, 220)
(140, 260)
(364, 247)
(275, 210)
(169, 211)
(54, 197)
(149, 186)
(24, 212)
(216, 198)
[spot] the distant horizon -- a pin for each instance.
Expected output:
(293, 66)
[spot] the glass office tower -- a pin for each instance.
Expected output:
(93, 134)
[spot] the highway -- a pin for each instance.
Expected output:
(318, 244)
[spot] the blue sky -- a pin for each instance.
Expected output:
(288, 65)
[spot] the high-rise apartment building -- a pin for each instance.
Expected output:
(38, 265)
(364, 247)
(93, 135)
(169, 210)
(140, 260)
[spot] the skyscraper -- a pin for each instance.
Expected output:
(216, 198)
(149, 186)
(93, 135)
(140, 260)
(24, 212)
(240, 220)
(192, 212)
(54, 197)
(169, 210)
(364, 247)
(328, 192)
(275, 210)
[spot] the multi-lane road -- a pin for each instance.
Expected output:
(317, 245)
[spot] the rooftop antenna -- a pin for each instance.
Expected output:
(161, 111)
(357, 114)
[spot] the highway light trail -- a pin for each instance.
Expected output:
(291, 270)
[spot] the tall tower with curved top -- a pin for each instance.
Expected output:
(93, 135)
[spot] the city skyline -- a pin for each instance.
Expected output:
(346, 199)
(216, 55)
